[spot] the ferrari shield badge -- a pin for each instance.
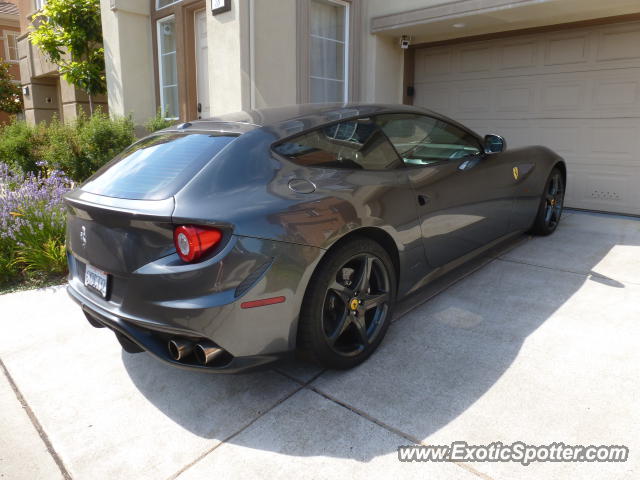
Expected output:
(516, 173)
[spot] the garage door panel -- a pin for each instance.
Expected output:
(577, 92)
(434, 63)
(597, 188)
(518, 55)
(579, 95)
(473, 98)
(563, 95)
(617, 91)
(615, 144)
(565, 140)
(580, 50)
(618, 43)
(475, 59)
(434, 94)
(515, 97)
(566, 50)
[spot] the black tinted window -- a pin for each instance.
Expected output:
(355, 144)
(156, 167)
(422, 140)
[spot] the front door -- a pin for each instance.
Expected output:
(464, 196)
(202, 64)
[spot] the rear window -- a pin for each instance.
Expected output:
(157, 167)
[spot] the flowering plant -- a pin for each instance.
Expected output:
(32, 221)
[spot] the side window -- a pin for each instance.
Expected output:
(421, 140)
(354, 144)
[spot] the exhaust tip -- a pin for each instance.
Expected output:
(207, 352)
(178, 349)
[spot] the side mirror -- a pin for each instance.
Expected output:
(494, 144)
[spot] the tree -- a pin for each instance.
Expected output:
(69, 32)
(10, 94)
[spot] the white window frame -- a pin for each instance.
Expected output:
(7, 56)
(158, 7)
(39, 4)
(161, 85)
(347, 44)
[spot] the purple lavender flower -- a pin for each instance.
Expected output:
(31, 206)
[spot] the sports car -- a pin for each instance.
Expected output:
(223, 245)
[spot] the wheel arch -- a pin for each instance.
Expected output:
(378, 235)
(563, 169)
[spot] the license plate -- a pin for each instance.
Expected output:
(96, 279)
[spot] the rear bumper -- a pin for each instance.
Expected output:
(154, 341)
(166, 300)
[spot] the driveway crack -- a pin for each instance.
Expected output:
(300, 387)
(36, 424)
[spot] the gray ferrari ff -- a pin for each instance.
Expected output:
(221, 245)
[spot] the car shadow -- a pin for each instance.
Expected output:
(441, 355)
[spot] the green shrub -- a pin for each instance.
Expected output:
(78, 148)
(19, 145)
(61, 149)
(8, 268)
(101, 139)
(158, 122)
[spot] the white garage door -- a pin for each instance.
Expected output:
(576, 91)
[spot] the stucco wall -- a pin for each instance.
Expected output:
(129, 58)
(229, 58)
(386, 7)
(382, 58)
(274, 52)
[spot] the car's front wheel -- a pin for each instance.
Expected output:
(551, 204)
(348, 305)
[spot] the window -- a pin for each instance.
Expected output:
(157, 167)
(354, 144)
(11, 46)
(167, 67)
(165, 3)
(329, 51)
(40, 3)
(421, 140)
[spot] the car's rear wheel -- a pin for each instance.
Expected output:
(348, 305)
(551, 205)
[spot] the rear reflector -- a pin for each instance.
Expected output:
(263, 302)
(193, 242)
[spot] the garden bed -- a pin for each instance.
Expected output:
(38, 165)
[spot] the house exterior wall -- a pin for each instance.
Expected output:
(9, 25)
(274, 53)
(258, 52)
(126, 29)
(229, 58)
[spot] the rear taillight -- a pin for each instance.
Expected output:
(193, 242)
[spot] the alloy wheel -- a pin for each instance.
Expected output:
(554, 201)
(356, 304)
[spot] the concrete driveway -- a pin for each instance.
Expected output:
(537, 342)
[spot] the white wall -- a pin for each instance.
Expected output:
(229, 58)
(274, 52)
(126, 30)
(386, 7)
(381, 62)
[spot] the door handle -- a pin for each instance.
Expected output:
(199, 107)
(423, 200)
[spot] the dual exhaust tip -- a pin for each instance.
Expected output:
(205, 351)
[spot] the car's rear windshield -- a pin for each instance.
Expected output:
(157, 167)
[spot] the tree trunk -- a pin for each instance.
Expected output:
(90, 104)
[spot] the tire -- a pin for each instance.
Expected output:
(551, 205)
(348, 305)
